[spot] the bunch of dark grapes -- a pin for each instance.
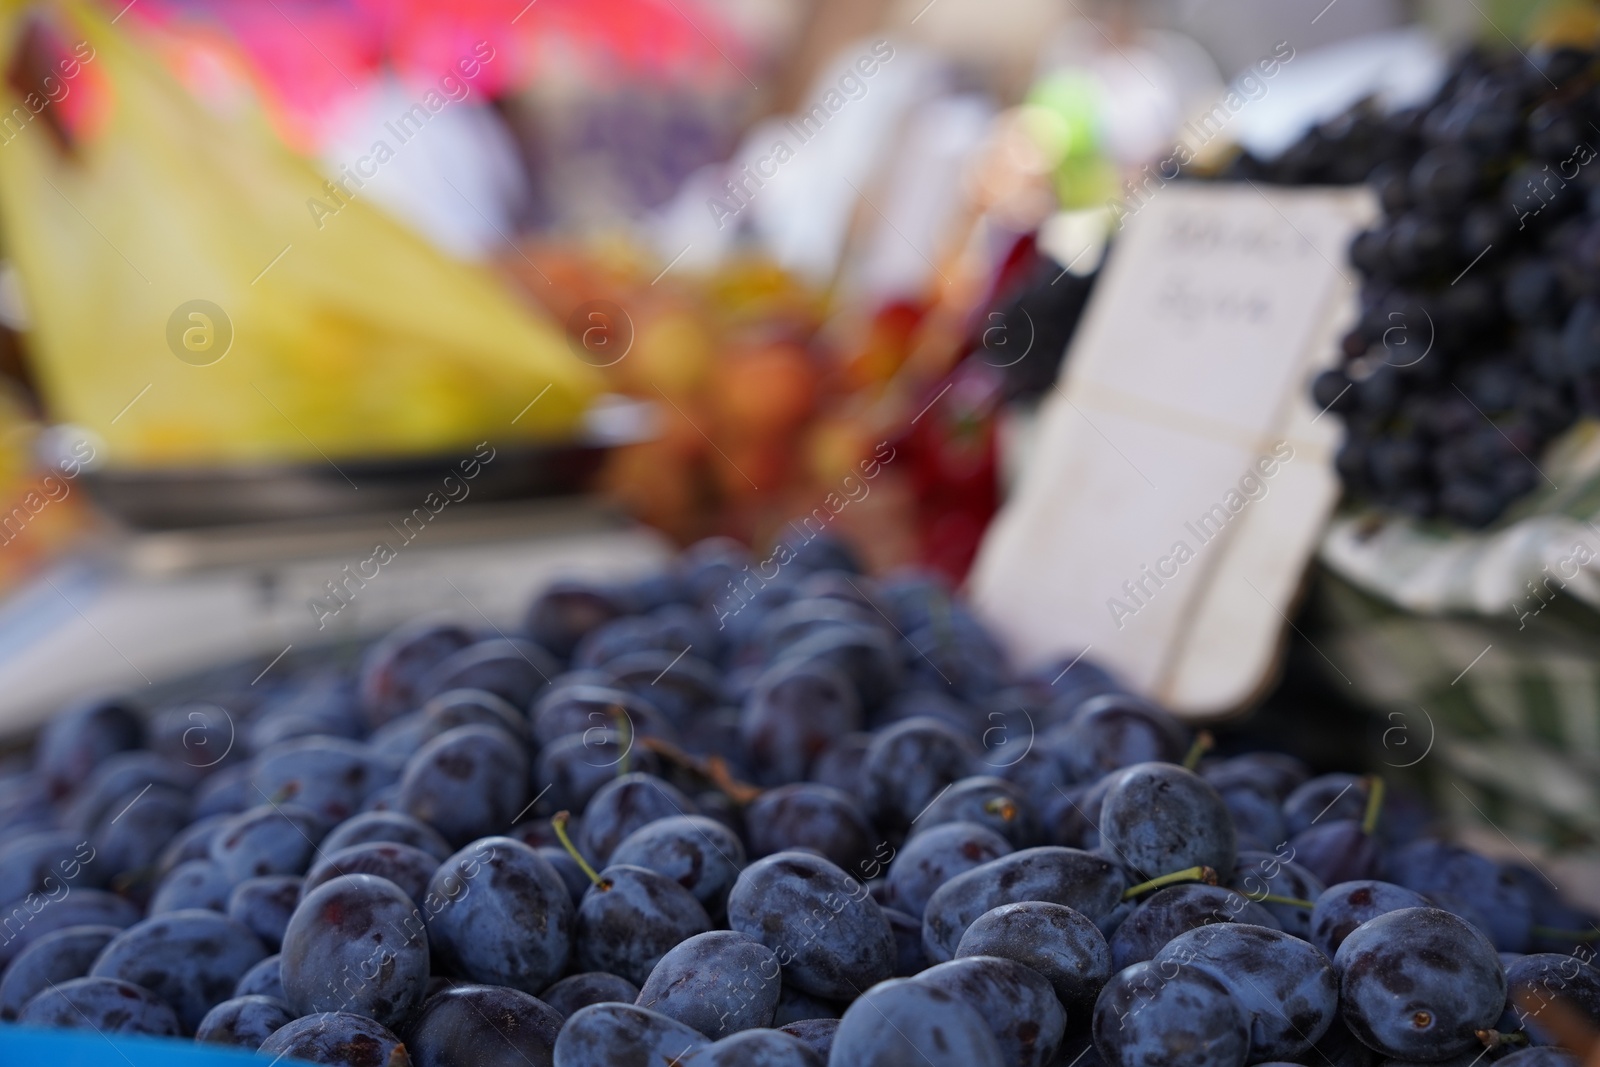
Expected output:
(749, 812)
(1479, 334)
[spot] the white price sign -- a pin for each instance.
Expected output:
(1181, 476)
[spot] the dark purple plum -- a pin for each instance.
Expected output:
(1326, 798)
(337, 1039)
(624, 1035)
(190, 959)
(226, 791)
(622, 806)
(195, 884)
(393, 667)
(864, 652)
(1540, 1056)
(24, 921)
(718, 982)
(587, 705)
(472, 707)
(267, 839)
(1284, 888)
(618, 637)
(588, 987)
(1431, 866)
(839, 765)
(326, 775)
(1174, 910)
(907, 765)
(796, 711)
(1087, 883)
(394, 826)
(265, 905)
(931, 858)
(200, 734)
(1274, 773)
(905, 1021)
(630, 918)
(356, 944)
(700, 854)
(1113, 731)
(681, 685)
(992, 802)
(499, 914)
(1144, 1018)
(816, 1034)
(193, 842)
(1158, 818)
(1337, 850)
(1419, 983)
(265, 979)
(574, 766)
(129, 838)
(51, 960)
(805, 815)
(1059, 943)
(81, 737)
(483, 1026)
(105, 1005)
(1343, 907)
(830, 936)
(1017, 1002)
(567, 611)
(571, 872)
(244, 1022)
(511, 668)
(1256, 814)
(1284, 987)
(466, 783)
(46, 862)
(409, 868)
(756, 1048)
(117, 780)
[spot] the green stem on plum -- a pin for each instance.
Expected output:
(625, 729)
(1188, 874)
(1496, 1039)
(1001, 806)
(1293, 902)
(558, 822)
(1203, 743)
(713, 769)
(1375, 789)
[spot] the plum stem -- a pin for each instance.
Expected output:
(1494, 1038)
(1188, 874)
(1375, 789)
(625, 729)
(1293, 902)
(1001, 806)
(1203, 743)
(713, 769)
(558, 822)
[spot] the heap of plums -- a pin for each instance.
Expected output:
(746, 813)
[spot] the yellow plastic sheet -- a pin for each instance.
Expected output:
(190, 306)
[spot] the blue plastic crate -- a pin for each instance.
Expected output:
(22, 1046)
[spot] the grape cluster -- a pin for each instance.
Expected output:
(1479, 333)
(836, 830)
